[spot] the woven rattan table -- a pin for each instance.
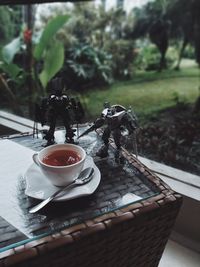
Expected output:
(102, 229)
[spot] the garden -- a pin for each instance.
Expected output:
(147, 59)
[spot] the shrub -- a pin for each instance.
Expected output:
(189, 52)
(85, 67)
(148, 58)
(172, 55)
(122, 52)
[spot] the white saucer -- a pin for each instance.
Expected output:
(38, 186)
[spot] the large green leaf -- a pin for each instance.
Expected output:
(10, 50)
(46, 38)
(53, 62)
(11, 69)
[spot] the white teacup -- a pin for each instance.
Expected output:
(60, 175)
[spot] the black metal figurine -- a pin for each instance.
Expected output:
(116, 119)
(59, 106)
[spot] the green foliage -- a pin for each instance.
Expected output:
(86, 66)
(10, 50)
(15, 74)
(81, 25)
(49, 51)
(122, 52)
(102, 33)
(6, 27)
(179, 99)
(148, 92)
(54, 60)
(189, 52)
(186, 26)
(181, 18)
(148, 58)
(49, 56)
(11, 69)
(10, 23)
(46, 38)
(172, 56)
(145, 17)
(16, 13)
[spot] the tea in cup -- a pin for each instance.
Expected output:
(60, 163)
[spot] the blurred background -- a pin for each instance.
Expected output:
(140, 54)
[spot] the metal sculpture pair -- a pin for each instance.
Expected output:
(115, 119)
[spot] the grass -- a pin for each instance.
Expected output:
(147, 92)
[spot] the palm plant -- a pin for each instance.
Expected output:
(48, 54)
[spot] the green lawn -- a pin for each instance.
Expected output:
(148, 92)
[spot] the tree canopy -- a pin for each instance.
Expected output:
(169, 19)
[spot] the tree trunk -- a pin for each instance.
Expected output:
(185, 43)
(28, 10)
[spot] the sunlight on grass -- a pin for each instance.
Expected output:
(148, 92)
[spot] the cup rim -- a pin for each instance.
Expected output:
(64, 166)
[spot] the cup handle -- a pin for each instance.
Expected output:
(35, 159)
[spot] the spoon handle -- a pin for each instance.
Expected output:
(46, 201)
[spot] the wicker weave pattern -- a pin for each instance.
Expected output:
(134, 238)
(131, 236)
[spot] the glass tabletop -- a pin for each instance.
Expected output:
(120, 185)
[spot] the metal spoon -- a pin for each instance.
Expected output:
(84, 177)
